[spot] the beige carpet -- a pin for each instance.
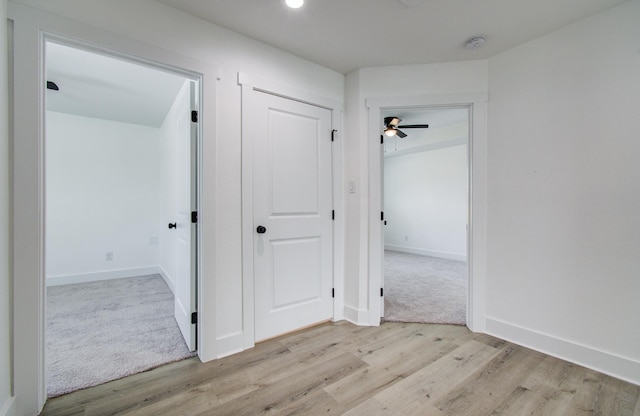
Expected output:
(102, 331)
(424, 289)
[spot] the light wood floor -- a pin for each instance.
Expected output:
(335, 369)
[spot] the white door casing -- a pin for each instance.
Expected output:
(186, 229)
(292, 200)
(476, 252)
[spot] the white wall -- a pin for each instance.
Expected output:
(168, 184)
(425, 202)
(102, 195)
(413, 82)
(155, 31)
(563, 174)
(6, 399)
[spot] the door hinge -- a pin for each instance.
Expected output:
(194, 116)
(333, 293)
(381, 139)
(194, 317)
(333, 134)
(382, 216)
(381, 291)
(194, 217)
(333, 214)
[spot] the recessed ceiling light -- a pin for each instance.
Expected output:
(475, 42)
(294, 4)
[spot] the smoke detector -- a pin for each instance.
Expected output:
(475, 42)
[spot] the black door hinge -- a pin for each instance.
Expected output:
(194, 217)
(381, 139)
(333, 134)
(333, 293)
(381, 291)
(194, 317)
(333, 214)
(194, 116)
(382, 216)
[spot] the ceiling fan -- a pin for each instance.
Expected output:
(392, 127)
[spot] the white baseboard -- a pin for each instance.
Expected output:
(358, 316)
(167, 279)
(230, 344)
(8, 407)
(422, 252)
(106, 275)
(604, 362)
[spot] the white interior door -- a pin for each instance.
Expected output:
(185, 285)
(293, 203)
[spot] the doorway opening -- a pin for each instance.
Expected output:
(121, 174)
(425, 190)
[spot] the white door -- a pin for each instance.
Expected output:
(185, 285)
(293, 259)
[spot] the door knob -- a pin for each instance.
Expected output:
(261, 229)
(172, 225)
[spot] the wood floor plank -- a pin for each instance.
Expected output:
(600, 394)
(482, 392)
(540, 393)
(403, 345)
(340, 368)
(286, 365)
(390, 365)
(377, 408)
(274, 397)
(317, 403)
(432, 382)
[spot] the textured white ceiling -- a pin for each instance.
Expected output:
(98, 86)
(349, 34)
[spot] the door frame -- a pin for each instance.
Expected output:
(476, 246)
(31, 30)
(249, 85)
(468, 195)
(194, 152)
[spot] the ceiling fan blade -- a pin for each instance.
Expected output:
(415, 126)
(400, 134)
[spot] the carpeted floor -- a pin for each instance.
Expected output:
(424, 289)
(102, 331)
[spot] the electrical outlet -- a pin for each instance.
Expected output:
(108, 256)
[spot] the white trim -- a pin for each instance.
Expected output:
(67, 279)
(423, 252)
(31, 28)
(248, 85)
(356, 316)
(248, 303)
(287, 91)
(9, 408)
(614, 365)
(230, 344)
(167, 279)
(476, 102)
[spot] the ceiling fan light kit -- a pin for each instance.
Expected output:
(392, 127)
